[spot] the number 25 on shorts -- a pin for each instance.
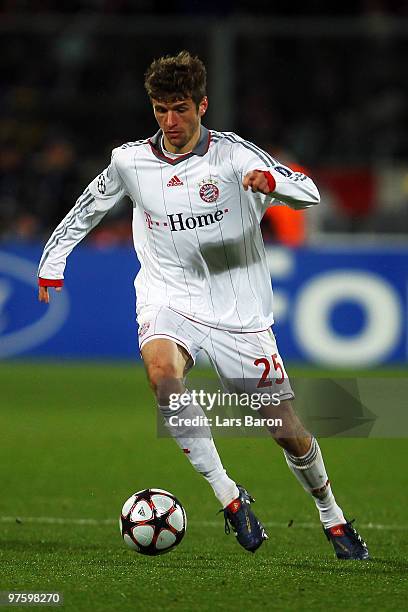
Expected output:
(264, 381)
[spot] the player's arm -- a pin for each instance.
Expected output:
(292, 188)
(263, 174)
(97, 199)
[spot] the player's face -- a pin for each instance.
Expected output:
(180, 122)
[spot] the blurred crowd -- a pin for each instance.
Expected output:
(70, 94)
(226, 7)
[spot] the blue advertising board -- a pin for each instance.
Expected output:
(341, 307)
(333, 306)
(93, 317)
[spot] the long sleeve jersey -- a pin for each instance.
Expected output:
(196, 231)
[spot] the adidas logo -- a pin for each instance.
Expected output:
(175, 182)
(337, 531)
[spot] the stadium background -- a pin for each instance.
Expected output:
(315, 86)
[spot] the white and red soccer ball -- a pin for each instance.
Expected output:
(152, 522)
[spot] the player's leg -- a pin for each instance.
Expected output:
(167, 362)
(304, 459)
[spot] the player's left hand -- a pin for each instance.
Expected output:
(43, 294)
(256, 181)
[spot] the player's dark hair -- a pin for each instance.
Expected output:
(176, 77)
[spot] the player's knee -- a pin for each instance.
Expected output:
(284, 443)
(159, 371)
(295, 446)
(164, 381)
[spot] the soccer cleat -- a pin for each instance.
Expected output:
(347, 542)
(248, 530)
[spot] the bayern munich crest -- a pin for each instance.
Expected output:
(209, 191)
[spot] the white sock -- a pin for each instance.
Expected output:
(198, 445)
(311, 473)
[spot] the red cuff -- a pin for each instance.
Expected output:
(50, 282)
(271, 181)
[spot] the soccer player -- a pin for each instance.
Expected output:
(198, 198)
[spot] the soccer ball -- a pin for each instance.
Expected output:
(152, 522)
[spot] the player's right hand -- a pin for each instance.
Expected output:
(259, 181)
(44, 296)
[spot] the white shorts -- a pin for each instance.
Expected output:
(249, 359)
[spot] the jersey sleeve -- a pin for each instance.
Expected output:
(294, 189)
(90, 208)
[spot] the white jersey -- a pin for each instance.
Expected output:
(196, 231)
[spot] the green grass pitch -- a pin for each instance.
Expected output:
(77, 440)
